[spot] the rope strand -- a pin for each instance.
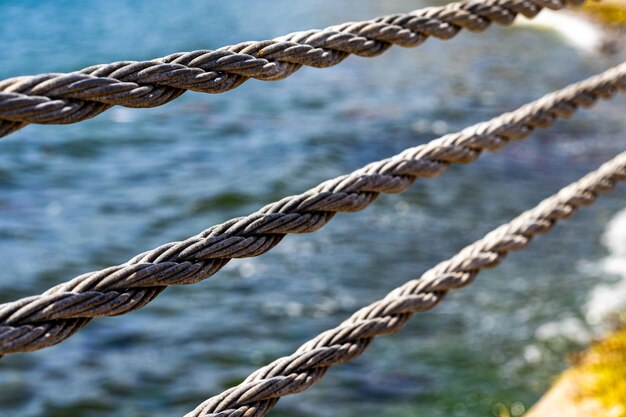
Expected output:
(58, 98)
(40, 321)
(292, 374)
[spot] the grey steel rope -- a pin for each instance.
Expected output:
(292, 374)
(59, 98)
(40, 321)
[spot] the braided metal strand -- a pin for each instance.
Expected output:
(25, 323)
(292, 374)
(73, 97)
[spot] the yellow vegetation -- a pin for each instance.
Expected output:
(601, 373)
(612, 12)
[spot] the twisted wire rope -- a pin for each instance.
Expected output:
(258, 393)
(43, 320)
(62, 98)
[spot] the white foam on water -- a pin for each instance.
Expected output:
(603, 301)
(611, 298)
(574, 28)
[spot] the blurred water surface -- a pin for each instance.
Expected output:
(81, 197)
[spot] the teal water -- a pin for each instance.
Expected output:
(81, 197)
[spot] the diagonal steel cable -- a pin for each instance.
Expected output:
(293, 374)
(62, 98)
(43, 320)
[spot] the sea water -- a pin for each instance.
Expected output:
(81, 197)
